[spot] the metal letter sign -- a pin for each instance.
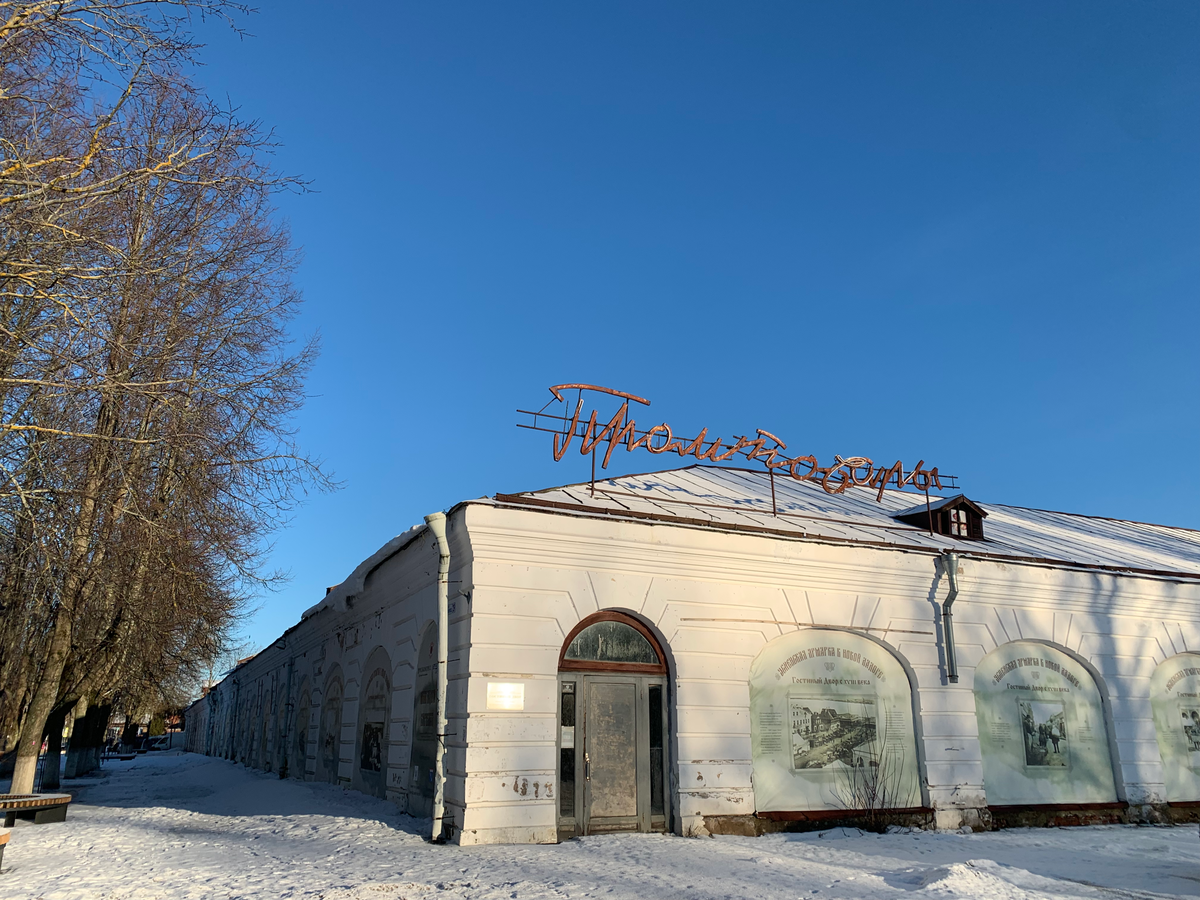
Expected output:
(853, 471)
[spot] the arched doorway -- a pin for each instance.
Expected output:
(612, 682)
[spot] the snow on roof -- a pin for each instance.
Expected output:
(338, 596)
(740, 500)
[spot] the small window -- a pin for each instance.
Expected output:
(955, 517)
(611, 642)
(959, 526)
(960, 522)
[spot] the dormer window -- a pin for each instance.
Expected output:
(955, 517)
(959, 526)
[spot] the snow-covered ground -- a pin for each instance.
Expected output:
(184, 826)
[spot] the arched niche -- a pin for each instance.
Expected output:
(1175, 701)
(298, 761)
(330, 733)
(263, 754)
(1042, 728)
(374, 713)
(280, 740)
(246, 733)
(832, 725)
(424, 726)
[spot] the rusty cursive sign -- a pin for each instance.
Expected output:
(620, 429)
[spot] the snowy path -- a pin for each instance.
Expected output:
(192, 827)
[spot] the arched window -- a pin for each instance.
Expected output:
(612, 642)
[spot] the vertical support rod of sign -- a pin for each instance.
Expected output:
(774, 511)
(594, 470)
(928, 508)
(437, 524)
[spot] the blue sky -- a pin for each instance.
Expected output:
(964, 233)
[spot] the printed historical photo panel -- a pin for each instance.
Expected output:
(1175, 701)
(831, 722)
(1042, 728)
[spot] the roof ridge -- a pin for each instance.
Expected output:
(891, 491)
(1059, 512)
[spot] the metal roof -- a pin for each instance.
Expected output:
(740, 500)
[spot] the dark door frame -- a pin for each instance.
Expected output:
(578, 674)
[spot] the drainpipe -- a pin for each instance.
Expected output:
(437, 524)
(950, 561)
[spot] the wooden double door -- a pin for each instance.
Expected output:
(612, 760)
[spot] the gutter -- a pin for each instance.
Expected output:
(950, 562)
(437, 525)
(534, 504)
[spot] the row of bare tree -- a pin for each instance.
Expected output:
(146, 374)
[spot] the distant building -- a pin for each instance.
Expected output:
(662, 627)
(802, 720)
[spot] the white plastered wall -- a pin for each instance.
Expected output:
(536, 574)
(397, 601)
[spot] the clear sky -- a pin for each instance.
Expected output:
(961, 232)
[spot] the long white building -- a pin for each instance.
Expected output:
(679, 651)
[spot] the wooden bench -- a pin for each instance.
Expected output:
(42, 808)
(3, 840)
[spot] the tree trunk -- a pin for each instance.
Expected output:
(79, 739)
(53, 764)
(40, 708)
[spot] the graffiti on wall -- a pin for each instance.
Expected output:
(1175, 701)
(1042, 730)
(831, 725)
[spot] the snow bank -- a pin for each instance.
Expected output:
(190, 826)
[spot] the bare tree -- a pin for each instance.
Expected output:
(146, 374)
(872, 787)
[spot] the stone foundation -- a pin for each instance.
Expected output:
(984, 819)
(774, 823)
